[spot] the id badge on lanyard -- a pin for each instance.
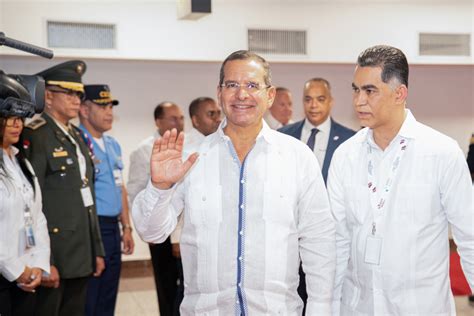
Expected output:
(378, 197)
(118, 177)
(29, 231)
(86, 194)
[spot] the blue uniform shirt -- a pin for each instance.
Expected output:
(108, 167)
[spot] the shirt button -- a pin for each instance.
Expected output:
(240, 284)
(242, 181)
(237, 302)
(241, 232)
(55, 230)
(240, 258)
(242, 206)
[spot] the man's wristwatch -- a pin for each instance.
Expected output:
(127, 226)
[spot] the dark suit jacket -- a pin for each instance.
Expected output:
(337, 136)
(73, 228)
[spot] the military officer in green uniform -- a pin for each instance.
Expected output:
(63, 164)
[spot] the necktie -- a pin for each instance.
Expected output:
(312, 138)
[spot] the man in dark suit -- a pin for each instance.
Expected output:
(62, 162)
(320, 132)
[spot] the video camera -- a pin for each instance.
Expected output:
(22, 95)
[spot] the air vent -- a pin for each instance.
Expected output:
(81, 35)
(437, 44)
(281, 42)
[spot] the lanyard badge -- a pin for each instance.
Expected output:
(29, 232)
(86, 194)
(378, 198)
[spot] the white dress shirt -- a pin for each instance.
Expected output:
(139, 171)
(322, 138)
(273, 122)
(16, 192)
(246, 226)
(193, 139)
(431, 188)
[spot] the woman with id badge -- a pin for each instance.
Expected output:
(24, 239)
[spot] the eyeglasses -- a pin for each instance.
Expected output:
(214, 114)
(70, 93)
(12, 121)
(250, 87)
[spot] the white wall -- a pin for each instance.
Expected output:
(337, 30)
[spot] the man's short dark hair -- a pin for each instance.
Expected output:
(244, 55)
(393, 62)
(160, 109)
(196, 104)
(282, 89)
(319, 80)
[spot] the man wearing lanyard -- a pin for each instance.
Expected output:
(394, 187)
(96, 116)
(63, 165)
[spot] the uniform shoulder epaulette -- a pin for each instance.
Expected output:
(36, 123)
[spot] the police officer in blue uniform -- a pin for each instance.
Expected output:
(96, 116)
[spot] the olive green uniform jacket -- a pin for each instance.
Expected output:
(73, 228)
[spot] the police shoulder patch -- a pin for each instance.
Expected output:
(36, 123)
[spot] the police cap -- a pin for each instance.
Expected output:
(99, 94)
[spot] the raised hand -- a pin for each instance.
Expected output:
(166, 165)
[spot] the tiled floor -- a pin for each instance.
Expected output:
(137, 294)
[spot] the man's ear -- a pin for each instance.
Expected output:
(194, 121)
(271, 93)
(48, 98)
(401, 94)
(84, 111)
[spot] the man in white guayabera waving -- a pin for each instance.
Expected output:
(394, 187)
(254, 204)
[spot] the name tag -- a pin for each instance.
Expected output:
(373, 250)
(118, 177)
(87, 196)
(60, 154)
(29, 232)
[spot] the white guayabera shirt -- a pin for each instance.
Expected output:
(15, 191)
(432, 188)
(246, 226)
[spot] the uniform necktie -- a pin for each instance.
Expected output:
(312, 138)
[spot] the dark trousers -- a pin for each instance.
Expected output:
(302, 288)
(165, 270)
(180, 288)
(67, 300)
(14, 301)
(102, 291)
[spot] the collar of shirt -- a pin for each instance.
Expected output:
(408, 130)
(14, 169)
(266, 133)
(195, 135)
(63, 127)
(324, 127)
(272, 121)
